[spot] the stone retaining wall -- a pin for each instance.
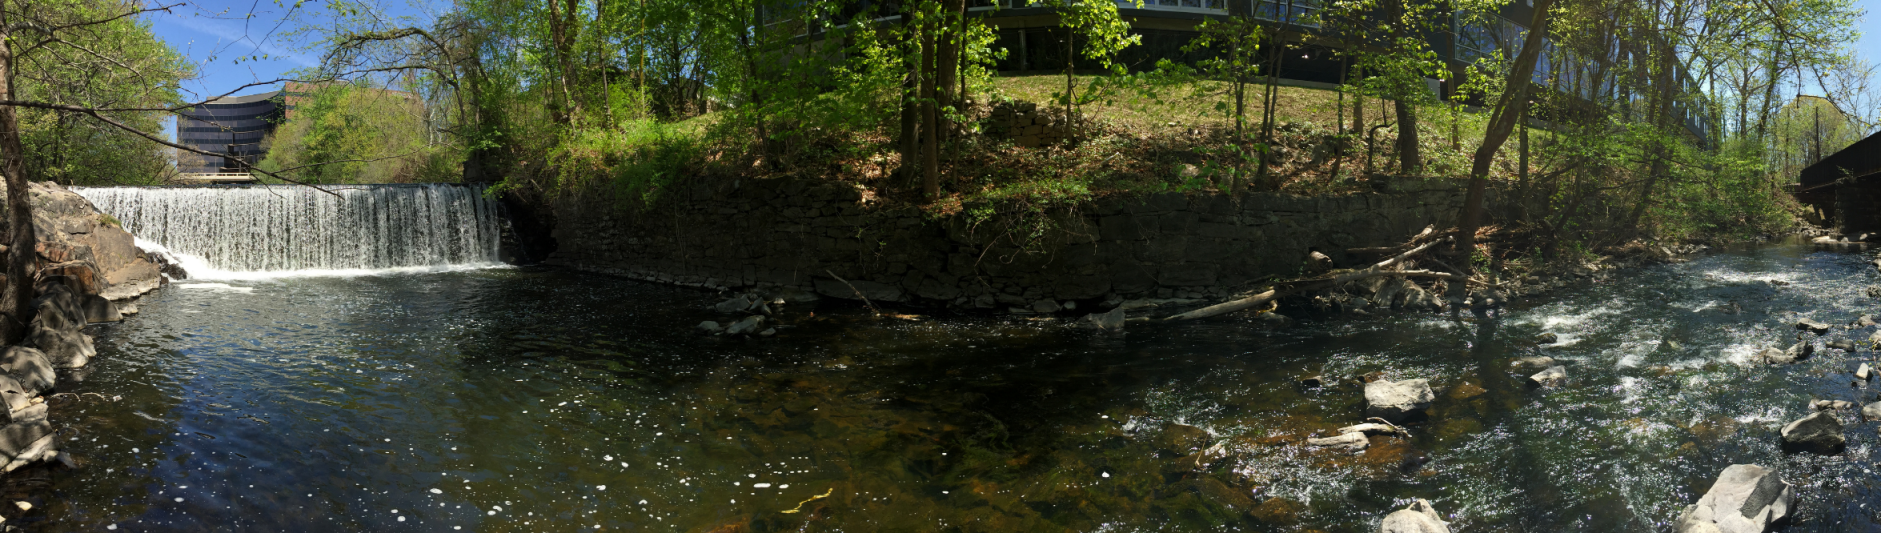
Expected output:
(827, 237)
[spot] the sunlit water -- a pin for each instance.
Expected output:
(545, 400)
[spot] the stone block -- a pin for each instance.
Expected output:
(1120, 228)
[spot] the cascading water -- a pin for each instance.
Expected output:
(292, 228)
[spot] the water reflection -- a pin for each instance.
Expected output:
(542, 400)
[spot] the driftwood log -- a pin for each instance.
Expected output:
(1381, 269)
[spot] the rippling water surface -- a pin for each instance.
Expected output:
(545, 400)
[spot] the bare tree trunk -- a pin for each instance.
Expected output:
(1509, 109)
(16, 302)
(1410, 157)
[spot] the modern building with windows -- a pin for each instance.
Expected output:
(233, 126)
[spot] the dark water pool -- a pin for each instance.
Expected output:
(546, 400)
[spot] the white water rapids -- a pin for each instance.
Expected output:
(287, 230)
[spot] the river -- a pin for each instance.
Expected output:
(533, 399)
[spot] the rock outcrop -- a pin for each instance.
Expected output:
(88, 247)
(1745, 499)
(1396, 401)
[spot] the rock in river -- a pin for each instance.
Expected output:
(1831, 405)
(1871, 411)
(1841, 344)
(1745, 499)
(1396, 401)
(1798, 352)
(746, 326)
(1812, 326)
(1539, 362)
(1820, 433)
(1553, 376)
(1420, 517)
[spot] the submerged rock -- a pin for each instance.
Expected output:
(1820, 433)
(1553, 376)
(1812, 326)
(737, 304)
(1396, 401)
(1539, 362)
(1745, 499)
(745, 326)
(1420, 517)
(1182, 439)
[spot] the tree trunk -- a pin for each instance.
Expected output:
(1509, 109)
(910, 109)
(930, 121)
(16, 302)
(1410, 157)
(947, 48)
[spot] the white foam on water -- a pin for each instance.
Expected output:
(214, 286)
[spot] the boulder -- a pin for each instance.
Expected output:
(1864, 321)
(1420, 517)
(1046, 307)
(29, 368)
(1353, 441)
(98, 309)
(1864, 373)
(1841, 344)
(15, 395)
(746, 326)
(28, 439)
(1812, 326)
(710, 327)
(1396, 401)
(1871, 411)
(1317, 262)
(1745, 499)
(1108, 320)
(65, 348)
(1820, 433)
(1553, 376)
(58, 308)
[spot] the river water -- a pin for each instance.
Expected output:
(523, 399)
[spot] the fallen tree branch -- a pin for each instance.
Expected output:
(1374, 271)
(852, 287)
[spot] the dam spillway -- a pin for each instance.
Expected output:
(285, 228)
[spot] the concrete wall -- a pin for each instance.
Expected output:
(804, 234)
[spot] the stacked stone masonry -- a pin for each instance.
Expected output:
(824, 237)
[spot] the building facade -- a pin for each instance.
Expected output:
(233, 126)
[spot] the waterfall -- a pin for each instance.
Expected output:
(293, 228)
